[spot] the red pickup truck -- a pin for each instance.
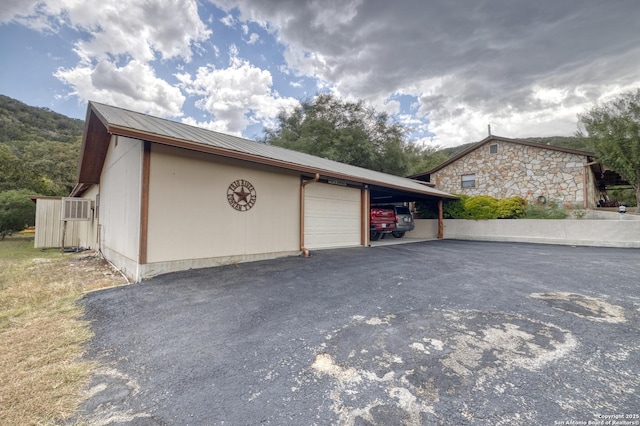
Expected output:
(383, 221)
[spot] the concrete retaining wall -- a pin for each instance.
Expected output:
(602, 233)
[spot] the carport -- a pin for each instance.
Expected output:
(167, 196)
(386, 196)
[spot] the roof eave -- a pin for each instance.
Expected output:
(489, 138)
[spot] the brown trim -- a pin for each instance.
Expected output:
(440, 220)
(364, 216)
(144, 203)
(301, 214)
(95, 143)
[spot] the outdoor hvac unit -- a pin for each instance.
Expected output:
(76, 208)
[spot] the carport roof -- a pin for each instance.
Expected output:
(104, 120)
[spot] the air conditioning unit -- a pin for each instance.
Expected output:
(76, 208)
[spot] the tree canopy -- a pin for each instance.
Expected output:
(351, 133)
(614, 128)
(39, 149)
(17, 211)
(39, 152)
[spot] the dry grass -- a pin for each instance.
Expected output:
(41, 333)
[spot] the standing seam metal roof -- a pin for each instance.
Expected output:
(117, 119)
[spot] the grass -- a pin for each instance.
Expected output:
(41, 331)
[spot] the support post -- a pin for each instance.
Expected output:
(440, 220)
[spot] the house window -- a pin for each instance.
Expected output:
(493, 149)
(469, 181)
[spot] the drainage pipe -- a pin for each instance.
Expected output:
(303, 249)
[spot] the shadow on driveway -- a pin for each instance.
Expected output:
(437, 332)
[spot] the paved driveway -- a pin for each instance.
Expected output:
(437, 332)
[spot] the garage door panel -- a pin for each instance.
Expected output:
(332, 216)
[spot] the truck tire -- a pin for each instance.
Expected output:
(375, 235)
(398, 234)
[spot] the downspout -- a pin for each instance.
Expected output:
(440, 219)
(584, 183)
(303, 249)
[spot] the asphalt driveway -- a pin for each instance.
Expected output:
(437, 332)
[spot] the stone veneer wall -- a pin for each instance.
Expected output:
(520, 170)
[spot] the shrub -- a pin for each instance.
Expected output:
(481, 207)
(511, 208)
(454, 209)
(545, 211)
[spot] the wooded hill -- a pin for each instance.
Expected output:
(39, 149)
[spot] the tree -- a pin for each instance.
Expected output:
(17, 211)
(348, 132)
(615, 130)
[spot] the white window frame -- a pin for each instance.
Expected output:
(468, 181)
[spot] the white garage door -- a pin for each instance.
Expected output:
(331, 216)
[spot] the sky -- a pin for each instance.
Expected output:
(444, 69)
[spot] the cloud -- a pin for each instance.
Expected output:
(133, 86)
(139, 30)
(480, 61)
(116, 45)
(253, 38)
(236, 97)
(16, 9)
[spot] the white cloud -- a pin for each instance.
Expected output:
(135, 29)
(228, 20)
(236, 97)
(133, 86)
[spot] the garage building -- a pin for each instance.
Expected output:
(166, 196)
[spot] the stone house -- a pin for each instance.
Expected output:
(502, 167)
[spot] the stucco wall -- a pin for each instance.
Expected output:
(191, 218)
(601, 233)
(120, 189)
(520, 170)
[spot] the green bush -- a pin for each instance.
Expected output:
(17, 211)
(454, 209)
(511, 208)
(626, 197)
(483, 207)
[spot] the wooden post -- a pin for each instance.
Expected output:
(440, 220)
(64, 234)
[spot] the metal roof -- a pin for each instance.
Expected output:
(122, 122)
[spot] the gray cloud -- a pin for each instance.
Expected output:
(490, 58)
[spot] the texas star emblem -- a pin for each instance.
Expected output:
(241, 195)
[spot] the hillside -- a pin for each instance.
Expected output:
(39, 149)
